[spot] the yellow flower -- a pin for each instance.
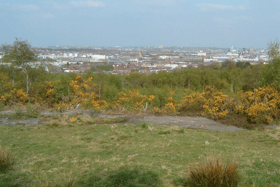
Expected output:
(73, 120)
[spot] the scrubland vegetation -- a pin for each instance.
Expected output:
(252, 93)
(87, 151)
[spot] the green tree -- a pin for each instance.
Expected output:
(270, 74)
(243, 64)
(20, 54)
(228, 64)
(273, 49)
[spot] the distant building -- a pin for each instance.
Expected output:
(251, 50)
(82, 59)
(98, 57)
(201, 54)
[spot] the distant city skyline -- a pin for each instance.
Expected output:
(129, 23)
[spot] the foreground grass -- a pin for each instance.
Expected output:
(70, 155)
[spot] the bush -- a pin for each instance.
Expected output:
(31, 111)
(2, 106)
(143, 124)
(213, 173)
(6, 160)
(259, 106)
(135, 177)
(123, 177)
(210, 103)
(18, 112)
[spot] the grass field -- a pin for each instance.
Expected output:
(88, 155)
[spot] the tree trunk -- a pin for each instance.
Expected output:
(13, 82)
(27, 83)
(99, 90)
(27, 80)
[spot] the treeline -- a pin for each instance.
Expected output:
(228, 78)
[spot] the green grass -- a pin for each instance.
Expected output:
(72, 154)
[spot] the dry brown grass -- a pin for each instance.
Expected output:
(213, 173)
(85, 119)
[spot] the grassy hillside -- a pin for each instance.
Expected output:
(73, 154)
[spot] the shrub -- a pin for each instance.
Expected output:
(31, 111)
(2, 106)
(260, 106)
(210, 103)
(18, 112)
(134, 177)
(123, 177)
(6, 160)
(143, 124)
(213, 173)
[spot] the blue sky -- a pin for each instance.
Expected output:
(200, 23)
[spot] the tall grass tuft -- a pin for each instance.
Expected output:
(6, 160)
(213, 173)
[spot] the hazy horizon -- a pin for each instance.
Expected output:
(124, 23)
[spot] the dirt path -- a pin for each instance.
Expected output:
(187, 122)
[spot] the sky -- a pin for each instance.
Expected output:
(109, 23)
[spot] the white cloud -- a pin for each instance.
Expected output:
(211, 7)
(22, 7)
(157, 2)
(87, 4)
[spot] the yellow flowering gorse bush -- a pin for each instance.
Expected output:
(15, 96)
(211, 104)
(260, 106)
(132, 100)
(85, 93)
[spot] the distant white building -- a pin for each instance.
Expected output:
(201, 54)
(172, 66)
(164, 57)
(133, 60)
(221, 59)
(168, 57)
(98, 57)
(232, 55)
